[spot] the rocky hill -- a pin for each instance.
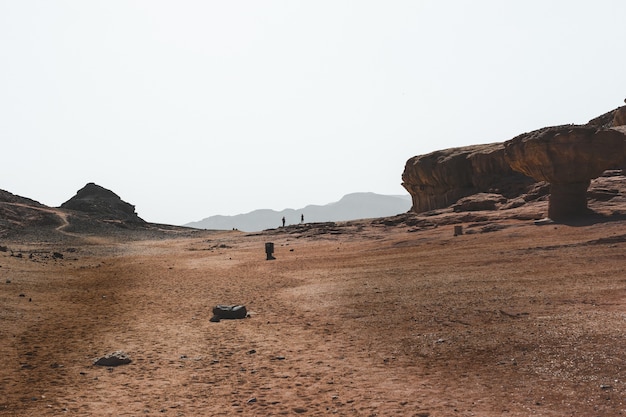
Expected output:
(93, 210)
(103, 204)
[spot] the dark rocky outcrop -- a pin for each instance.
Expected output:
(567, 157)
(103, 204)
(441, 178)
(92, 211)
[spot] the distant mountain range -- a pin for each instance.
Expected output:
(350, 207)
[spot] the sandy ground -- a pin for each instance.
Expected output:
(366, 320)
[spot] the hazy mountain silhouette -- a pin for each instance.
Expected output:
(350, 207)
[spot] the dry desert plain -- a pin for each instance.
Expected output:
(364, 318)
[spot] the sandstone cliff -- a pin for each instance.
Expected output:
(559, 155)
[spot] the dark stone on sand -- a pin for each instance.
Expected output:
(113, 359)
(229, 312)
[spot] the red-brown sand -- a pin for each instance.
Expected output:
(364, 320)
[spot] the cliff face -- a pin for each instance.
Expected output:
(440, 178)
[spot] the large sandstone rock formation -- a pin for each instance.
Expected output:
(567, 157)
(440, 178)
(102, 204)
(570, 156)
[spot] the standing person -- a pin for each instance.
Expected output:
(283, 221)
(302, 218)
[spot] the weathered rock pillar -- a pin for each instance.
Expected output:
(568, 199)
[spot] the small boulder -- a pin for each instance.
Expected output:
(229, 312)
(113, 359)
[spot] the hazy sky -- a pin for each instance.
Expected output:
(188, 109)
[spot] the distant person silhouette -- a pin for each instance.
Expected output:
(302, 218)
(283, 221)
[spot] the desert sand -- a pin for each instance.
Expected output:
(362, 318)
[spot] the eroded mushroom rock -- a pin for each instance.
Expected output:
(102, 203)
(567, 157)
(439, 179)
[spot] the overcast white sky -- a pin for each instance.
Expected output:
(188, 109)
